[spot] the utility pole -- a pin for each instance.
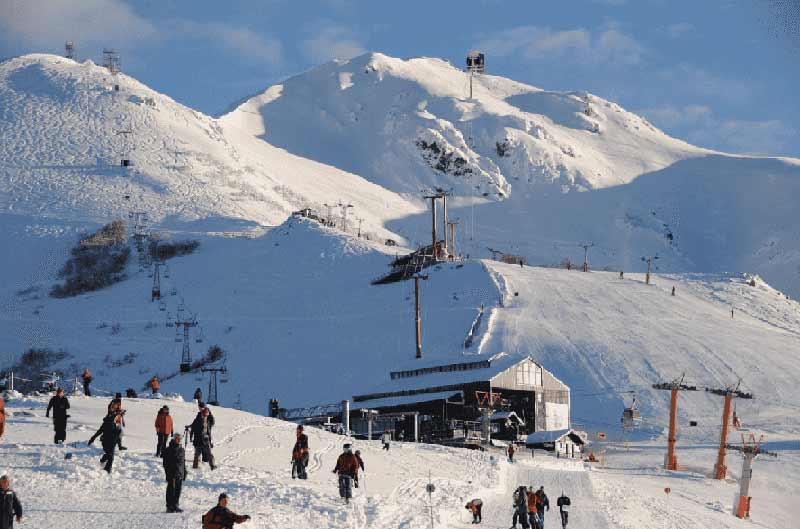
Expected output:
(586, 255)
(329, 219)
(213, 397)
(452, 224)
(433, 198)
(156, 294)
(186, 355)
(70, 50)
(344, 207)
(360, 220)
(649, 259)
(671, 460)
(750, 449)
(729, 394)
(417, 317)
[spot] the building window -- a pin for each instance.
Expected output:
(538, 380)
(524, 376)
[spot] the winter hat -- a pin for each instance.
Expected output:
(223, 496)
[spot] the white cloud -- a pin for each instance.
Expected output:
(46, 24)
(689, 79)
(246, 42)
(330, 42)
(699, 125)
(534, 43)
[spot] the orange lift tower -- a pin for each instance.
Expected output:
(729, 394)
(671, 461)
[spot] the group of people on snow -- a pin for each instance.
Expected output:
(529, 507)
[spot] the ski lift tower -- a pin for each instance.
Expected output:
(213, 397)
(671, 460)
(729, 393)
(186, 354)
(111, 60)
(69, 48)
(476, 63)
(750, 449)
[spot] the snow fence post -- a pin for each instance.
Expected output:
(346, 417)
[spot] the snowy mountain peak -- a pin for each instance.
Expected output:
(410, 124)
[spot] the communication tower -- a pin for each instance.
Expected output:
(476, 64)
(70, 50)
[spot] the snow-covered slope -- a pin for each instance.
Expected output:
(379, 117)
(65, 130)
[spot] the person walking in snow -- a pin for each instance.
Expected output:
(510, 451)
(202, 406)
(109, 433)
(87, 379)
(533, 515)
(2, 417)
(164, 428)
(475, 507)
(10, 506)
(347, 470)
(175, 472)
(563, 503)
(200, 435)
(300, 454)
(386, 438)
(220, 517)
(59, 404)
(155, 385)
(360, 465)
(115, 407)
(198, 395)
(542, 503)
(520, 508)
(673, 290)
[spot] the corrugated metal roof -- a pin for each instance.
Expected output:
(550, 436)
(409, 399)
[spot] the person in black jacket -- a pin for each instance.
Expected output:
(175, 470)
(542, 502)
(360, 464)
(563, 503)
(10, 507)
(222, 517)
(109, 433)
(200, 435)
(59, 404)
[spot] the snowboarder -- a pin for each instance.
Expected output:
(475, 507)
(520, 508)
(164, 428)
(198, 395)
(59, 404)
(109, 433)
(2, 417)
(347, 469)
(510, 451)
(175, 471)
(200, 435)
(563, 503)
(300, 454)
(10, 507)
(154, 384)
(673, 290)
(386, 438)
(542, 503)
(220, 517)
(87, 379)
(360, 464)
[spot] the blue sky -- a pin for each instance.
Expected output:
(721, 74)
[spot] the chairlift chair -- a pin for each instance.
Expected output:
(631, 417)
(224, 378)
(173, 291)
(162, 306)
(166, 272)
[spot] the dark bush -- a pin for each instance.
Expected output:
(31, 364)
(167, 250)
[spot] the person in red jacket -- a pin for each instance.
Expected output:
(155, 385)
(2, 416)
(87, 379)
(300, 454)
(475, 506)
(220, 517)
(347, 469)
(164, 429)
(510, 452)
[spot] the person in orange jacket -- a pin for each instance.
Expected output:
(154, 384)
(2, 416)
(475, 507)
(164, 429)
(87, 379)
(533, 515)
(510, 452)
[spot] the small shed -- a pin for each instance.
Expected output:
(565, 442)
(506, 425)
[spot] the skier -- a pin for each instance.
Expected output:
(10, 507)
(2, 417)
(475, 507)
(115, 406)
(520, 508)
(563, 503)
(300, 454)
(154, 384)
(220, 517)
(360, 464)
(59, 404)
(533, 516)
(386, 438)
(542, 503)
(175, 471)
(87, 379)
(198, 395)
(164, 428)
(109, 433)
(347, 469)
(510, 452)
(200, 435)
